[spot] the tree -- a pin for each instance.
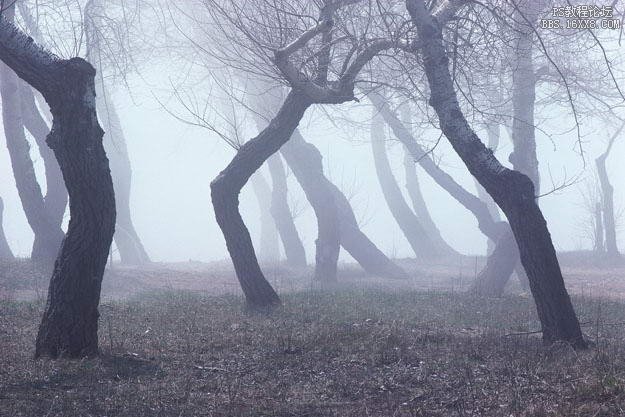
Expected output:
(269, 247)
(5, 251)
(513, 192)
(70, 320)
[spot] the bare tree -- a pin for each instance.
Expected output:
(70, 320)
(511, 190)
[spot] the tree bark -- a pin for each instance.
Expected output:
(70, 320)
(225, 191)
(513, 191)
(269, 247)
(282, 216)
(420, 242)
(47, 231)
(305, 162)
(5, 251)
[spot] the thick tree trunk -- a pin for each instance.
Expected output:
(282, 216)
(269, 247)
(56, 193)
(511, 190)
(70, 320)
(47, 231)
(607, 197)
(5, 251)
(305, 162)
(225, 191)
(420, 242)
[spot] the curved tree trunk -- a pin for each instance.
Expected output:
(5, 251)
(129, 245)
(305, 162)
(225, 191)
(513, 192)
(492, 280)
(127, 240)
(282, 216)
(269, 247)
(607, 196)
(420, 242)
(70, 321)
(47, 231)
(56, 193)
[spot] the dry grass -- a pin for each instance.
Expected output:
(358, 352)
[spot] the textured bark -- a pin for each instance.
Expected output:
(47, 230)
(416, 235)
(513, 191)
(225, 191)
(305, 162)
(70, 320)
(5, 250)
(269, 247)
(282, 216)
(607, 202)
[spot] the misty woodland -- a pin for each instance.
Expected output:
(245, 208)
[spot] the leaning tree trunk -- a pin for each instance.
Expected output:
(69, 326)
(47, 231)
(513, 192)
(607, 195)
(5, 251)
(56, 193)
(127, 240)
(420, 242)
(269, 247)
(488, 226)
(305, 162)
(225, 191)
(282, 216)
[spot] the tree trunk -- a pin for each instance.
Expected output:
(5, 251)
(599, 247)
(127, 240)
(607, 196)
(492, 280)
(47, 231)
(282, 216)
(269, 247)
(225, 191)
(513, 191)
(493, 132)
(305, 162)
(420, 242)
(56, 194)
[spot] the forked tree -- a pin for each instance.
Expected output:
(69, 326)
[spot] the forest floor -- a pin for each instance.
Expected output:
(176, 342)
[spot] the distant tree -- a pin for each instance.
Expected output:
(70, 320)
(5, 251)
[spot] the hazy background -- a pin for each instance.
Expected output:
(173, 164)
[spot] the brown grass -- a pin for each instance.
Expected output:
(337, 352)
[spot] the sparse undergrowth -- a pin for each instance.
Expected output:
(336, 353)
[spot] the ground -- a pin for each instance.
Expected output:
(176, 342)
